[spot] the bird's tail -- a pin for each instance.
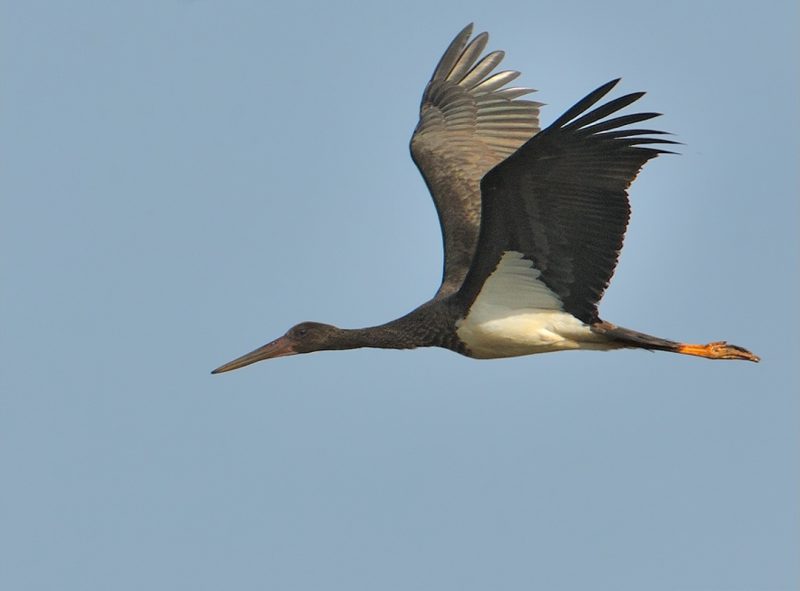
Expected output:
(639, 340)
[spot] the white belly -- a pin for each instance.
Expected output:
(517, 314)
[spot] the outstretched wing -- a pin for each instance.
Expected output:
(561, 203)
(469, 122)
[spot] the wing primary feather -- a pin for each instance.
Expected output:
(495, 81)
(468, 57)
(640, 141)
(616, 122)
(584, 104)
(482, 69)
(632, 132)
(606, 110)
(512, 93)
(452, 53)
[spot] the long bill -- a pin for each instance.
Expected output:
(278, 348)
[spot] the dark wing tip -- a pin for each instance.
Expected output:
(606, 109)
(583, 122)
(586, 102)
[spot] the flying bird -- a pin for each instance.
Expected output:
(532, 221)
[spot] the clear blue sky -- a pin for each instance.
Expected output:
(184, 180)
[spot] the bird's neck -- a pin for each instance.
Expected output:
(421, 328)
(384, 336)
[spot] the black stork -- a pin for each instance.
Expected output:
(532, 221)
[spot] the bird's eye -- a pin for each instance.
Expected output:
(301, 332)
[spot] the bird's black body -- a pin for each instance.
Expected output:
(532, 221)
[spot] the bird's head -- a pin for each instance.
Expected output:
(305, 337)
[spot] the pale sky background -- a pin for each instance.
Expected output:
(184, 180)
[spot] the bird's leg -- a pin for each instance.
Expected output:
(631, 338)
(717, 350)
